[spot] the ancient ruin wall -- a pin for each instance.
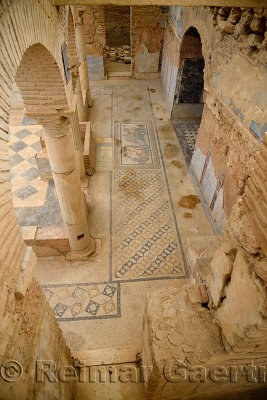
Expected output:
(28, 327)
(117, 26)
(147, 31)
(94, 31)
(234, 116)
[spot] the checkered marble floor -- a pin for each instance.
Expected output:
(34, 200)
(186, 133)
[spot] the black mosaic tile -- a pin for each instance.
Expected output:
(37, 146)
(22, 134)
(18, 146)
(30, 174)
(28, 121)
(15, 159)
(25, 192)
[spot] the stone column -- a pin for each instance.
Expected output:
(81, 49)
(81, 106)
(78, 146)
(60, 149)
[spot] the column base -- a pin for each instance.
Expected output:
(82, 255)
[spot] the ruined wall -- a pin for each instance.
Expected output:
(234, 116)
(94, 31)
(117, 25)
(28, 329)
(95, 41)
(147, 32)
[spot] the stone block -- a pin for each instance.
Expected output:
(243, 26)
(221, 269)
(113, 56)
(261, 269)
(199, 249)
(26, 273)
(255, 40)
(226, 26)
(242, 309)
(258, 24)
(235, 15)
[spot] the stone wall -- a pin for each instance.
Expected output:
(117, 26)
(28, 329)
(94, 31)
(147, 32)
(234, 116)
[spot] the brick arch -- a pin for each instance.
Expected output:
(41, 85)
(191, 46)
(23, 24)
(190, 79)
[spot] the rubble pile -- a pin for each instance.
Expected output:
(119, 54)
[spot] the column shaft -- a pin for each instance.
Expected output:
(78, 146)
(63, 163)
(83, 69)
(81, 104)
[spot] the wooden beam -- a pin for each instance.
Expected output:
(218, 3)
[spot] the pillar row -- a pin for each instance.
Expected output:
(81, 50)
(66, 174)
(78, 146)
(81, 103)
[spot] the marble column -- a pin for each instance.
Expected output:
(78, 146)
(66, 174)
(81, 50)
(82, 107)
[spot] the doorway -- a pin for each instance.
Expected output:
(188, 99)
(118, 40)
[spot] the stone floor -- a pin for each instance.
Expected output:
(186, 133)
(140, 228)
(35, 201)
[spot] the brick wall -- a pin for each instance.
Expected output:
(233, 118)
(27, 326)
(146, 38)
(117, 25)
(94, 31)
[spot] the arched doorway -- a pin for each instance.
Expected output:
(188, 99)
(45, 99)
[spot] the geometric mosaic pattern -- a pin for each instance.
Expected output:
(190, 131)
(131, 104)
(24, 144)
(145, 242)
(35, 201)
(83, 301)
(186, 134)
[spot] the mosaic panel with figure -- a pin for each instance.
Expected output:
(135, 145)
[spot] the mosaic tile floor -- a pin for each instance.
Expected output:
(84, 301)
(103, 154)
(186, 133)
(144, 239)
(35, 201)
